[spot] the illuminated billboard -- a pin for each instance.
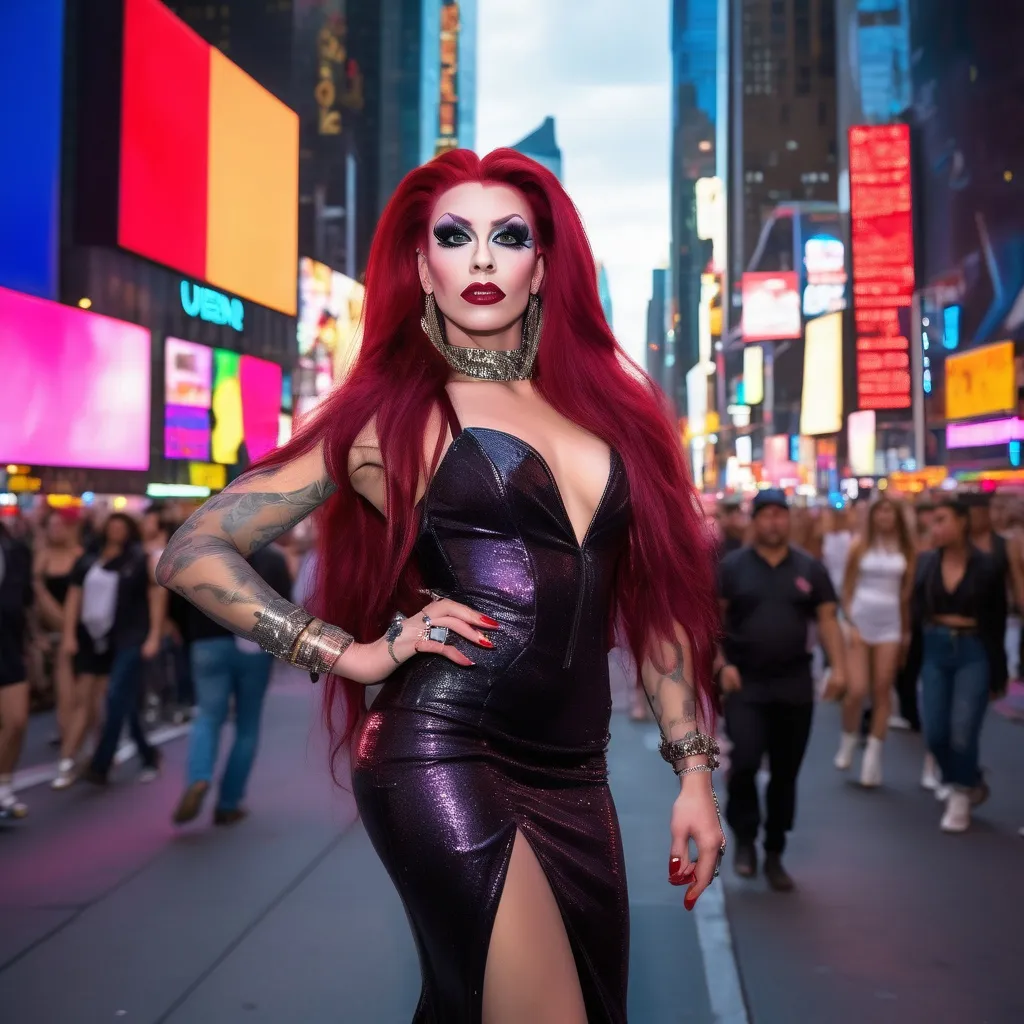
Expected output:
(861, 434)
(75, 387)
(981, 382)
(882, 244)
(31, 83)
(246, 404)
(771, 306)
(821, 409)
(448, 101)
(208, 168)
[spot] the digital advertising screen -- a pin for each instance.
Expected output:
(187, 432)
(228, 430)
(188, 373)
(208, 169)
(92, 412)
(882, 243)
(981, 382)
(31, 82)
(821, 409)
(260, 383)
(771, 306)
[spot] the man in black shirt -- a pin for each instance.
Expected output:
(226, 668)
(732, 526)
(770, 593)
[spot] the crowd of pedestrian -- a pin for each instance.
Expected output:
(86, 629)
(911, 608)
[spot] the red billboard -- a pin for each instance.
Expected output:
(882, 243)
(771, 306)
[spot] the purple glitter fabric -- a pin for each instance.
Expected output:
(454, 760)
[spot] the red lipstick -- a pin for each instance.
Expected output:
(483, 294)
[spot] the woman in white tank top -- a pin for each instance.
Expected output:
(876, 600)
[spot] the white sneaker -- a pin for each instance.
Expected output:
(958, 812)
(898, 722)
(66, 775)
(871, 765)
(10, 806)
(930, 774)
(847, 747)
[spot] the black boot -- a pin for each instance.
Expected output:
(745, 860)
(778, 877)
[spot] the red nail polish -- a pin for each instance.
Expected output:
(488, 621)
(675, 865)
(484, 642)
(688, 903)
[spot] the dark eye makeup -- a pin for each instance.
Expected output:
(451, 232)
(514, 233)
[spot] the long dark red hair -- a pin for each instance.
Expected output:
(365, 570)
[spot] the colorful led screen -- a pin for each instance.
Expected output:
(74, 388)
(882, 241)
(187, 433)
(771, 306)
(981, 382)
(209, 168)
(188, 373)
(30, 119)
(227, 408)
(261, 405)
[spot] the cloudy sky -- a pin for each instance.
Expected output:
(601, 68)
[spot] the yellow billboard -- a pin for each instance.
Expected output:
(981, 382)
(821, 411)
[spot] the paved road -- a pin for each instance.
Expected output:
(894, 921)
(108, 913)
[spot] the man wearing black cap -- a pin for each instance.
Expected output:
(771, 592)
(732, 526)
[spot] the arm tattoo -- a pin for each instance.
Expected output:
(206, 562)
(671, 696)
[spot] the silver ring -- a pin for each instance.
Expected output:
(426, 621)
(439, 634)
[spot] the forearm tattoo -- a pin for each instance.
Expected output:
(205, 562)
(671, 696)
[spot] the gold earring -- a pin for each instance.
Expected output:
(430, 323)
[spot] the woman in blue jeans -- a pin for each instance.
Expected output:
(961, 600)
(226, 667)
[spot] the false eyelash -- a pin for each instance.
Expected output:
(519, 230)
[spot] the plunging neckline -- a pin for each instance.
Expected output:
(613, 456)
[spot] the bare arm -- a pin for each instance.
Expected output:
(72, 611)
(667, 679)
(832, 640)
(157, 598)
(50, 612)
(850, 576)
(205, 560)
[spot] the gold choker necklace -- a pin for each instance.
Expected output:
(487, 363)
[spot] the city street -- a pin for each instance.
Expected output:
(109, 913)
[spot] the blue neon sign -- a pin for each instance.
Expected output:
(212, 306)
(951, 327)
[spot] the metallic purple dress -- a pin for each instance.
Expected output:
(453, 760)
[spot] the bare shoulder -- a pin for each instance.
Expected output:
(366, 465)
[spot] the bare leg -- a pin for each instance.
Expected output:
(885, 661)
(531, 973)
(67, 695)
(14, 702)
(859, 669)
(81, 720)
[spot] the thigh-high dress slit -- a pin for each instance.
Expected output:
(453, 761)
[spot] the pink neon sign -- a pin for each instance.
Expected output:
(979, 435)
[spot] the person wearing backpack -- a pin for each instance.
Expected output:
(15, 597)
(115, 620)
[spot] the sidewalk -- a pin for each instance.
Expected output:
(109, 912)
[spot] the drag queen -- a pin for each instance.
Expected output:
(497, 486)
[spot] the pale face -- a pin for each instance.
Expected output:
(480, 260)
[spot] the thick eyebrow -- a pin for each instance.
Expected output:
(505, 220)
(460, 221)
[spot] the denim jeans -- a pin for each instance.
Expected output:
(220, 670)
(123, 693)
(954, 698)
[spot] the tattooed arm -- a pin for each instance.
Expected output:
(671, 693)
(205, 560)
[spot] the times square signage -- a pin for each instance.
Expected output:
(212, 306)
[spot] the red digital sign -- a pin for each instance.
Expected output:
(882, 240)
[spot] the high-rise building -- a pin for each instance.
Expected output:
(657, 324)
(541, 145)
(694, 111)
(605, 291)
(782, 138)
(429, 71)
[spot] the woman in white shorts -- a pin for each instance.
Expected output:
(876, 602)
